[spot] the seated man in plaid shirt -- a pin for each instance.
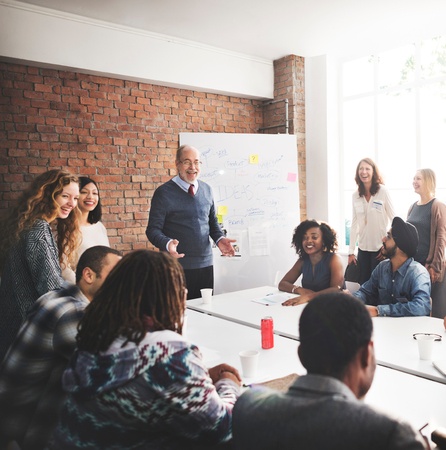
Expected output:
(30, 375)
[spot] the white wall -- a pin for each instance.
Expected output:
(32, 34)
(322, 142)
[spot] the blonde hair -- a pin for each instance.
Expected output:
(429, 178)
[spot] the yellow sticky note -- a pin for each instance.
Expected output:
(219, 218)
(222, 210)
(253, 159)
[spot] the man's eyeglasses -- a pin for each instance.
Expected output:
(189, 163)
(389, 235)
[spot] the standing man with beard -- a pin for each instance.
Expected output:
(182, 218)
(398, 286)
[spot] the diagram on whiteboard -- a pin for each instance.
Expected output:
(254, 180)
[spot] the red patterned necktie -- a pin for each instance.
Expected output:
(191, 190)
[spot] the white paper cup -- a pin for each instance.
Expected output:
(249, 360)
(425, 345)
(206, 295)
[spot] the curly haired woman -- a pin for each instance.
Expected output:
(321, 268)
(30, 259)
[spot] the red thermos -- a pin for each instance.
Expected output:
(266, 328)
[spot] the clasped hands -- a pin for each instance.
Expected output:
(225, 371)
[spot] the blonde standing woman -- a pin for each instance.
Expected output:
(428, 215)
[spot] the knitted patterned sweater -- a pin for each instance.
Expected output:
(154, 395)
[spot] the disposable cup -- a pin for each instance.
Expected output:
(249, 360)
(206, 295)
(425, 345)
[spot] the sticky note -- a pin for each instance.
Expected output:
(219, 218)
(222, 210)
(292, 177)
(254, 159)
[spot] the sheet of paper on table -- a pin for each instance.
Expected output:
(274, 298)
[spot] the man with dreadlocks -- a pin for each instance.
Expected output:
(134, 381)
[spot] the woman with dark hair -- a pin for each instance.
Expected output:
(134, 380)
(321, 268)
(428, 215)
(30, 259)
(92, 229)
(372, 214)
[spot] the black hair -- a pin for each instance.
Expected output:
(332, 328)
(94, 258)
(328, 236)
(95, 215)
(144, 286)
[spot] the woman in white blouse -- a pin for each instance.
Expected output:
(93, 231)
(372, 214)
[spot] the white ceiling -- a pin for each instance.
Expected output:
(272, 29)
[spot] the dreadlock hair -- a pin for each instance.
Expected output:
(376, 178)
(39, 202)
(144, 286)
(95, 215)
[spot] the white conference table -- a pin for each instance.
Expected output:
(396, 348)
(220, 341)
(239, 307)
(393, 336)
(414, 399)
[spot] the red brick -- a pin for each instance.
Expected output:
(120, 132)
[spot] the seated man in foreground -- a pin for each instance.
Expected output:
(30, 376)
(398, 286)
(322, 410)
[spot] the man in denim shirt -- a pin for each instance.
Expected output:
(398, 286)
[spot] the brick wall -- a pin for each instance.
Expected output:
(289, 83)
(124, 134)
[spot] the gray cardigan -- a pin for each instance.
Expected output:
(174, 214)
(436, 257)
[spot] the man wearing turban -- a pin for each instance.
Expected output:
(398, 286)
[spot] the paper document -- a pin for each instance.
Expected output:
(274, 298)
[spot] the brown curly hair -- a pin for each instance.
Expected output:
(39, 202)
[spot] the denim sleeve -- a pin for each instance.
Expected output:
(369, 292)
(418, 303)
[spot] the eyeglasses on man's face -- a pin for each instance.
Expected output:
(189, 163)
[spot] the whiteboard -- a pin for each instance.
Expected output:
(255, 184)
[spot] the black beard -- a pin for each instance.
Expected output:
(391, 252)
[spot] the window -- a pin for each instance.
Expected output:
(393, 110)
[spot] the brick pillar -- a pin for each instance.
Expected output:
(289, 83)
